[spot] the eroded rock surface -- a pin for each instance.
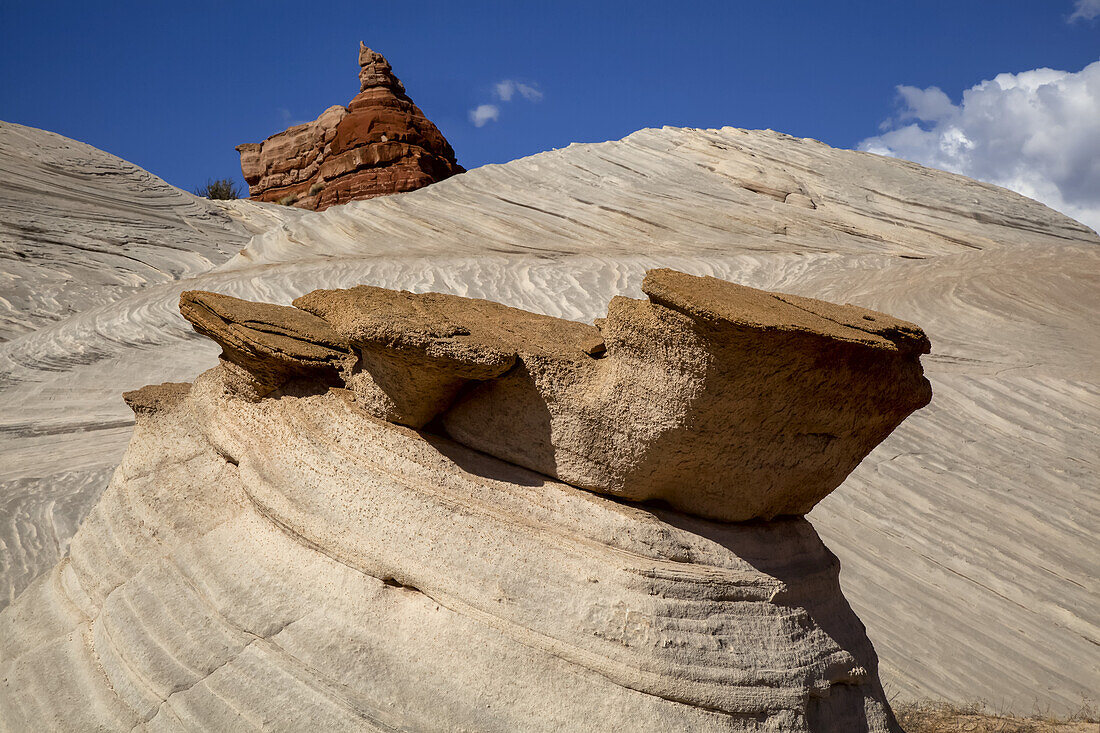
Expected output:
(417, 351)
(81, 228)
(725, 401)
(381, 143)
(271, 343)
(270, 549)
(967, 528)
(295, 560)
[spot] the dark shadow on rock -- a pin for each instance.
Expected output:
(513, 424)
(790, 550)
(483, 464)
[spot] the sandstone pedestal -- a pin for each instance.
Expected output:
(277, 547)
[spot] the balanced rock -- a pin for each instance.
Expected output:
(725, 401)
(722, 400)
(277, 549)
(381, 143)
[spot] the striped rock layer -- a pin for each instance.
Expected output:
(381, 143)
(292, 562)
(965, 537)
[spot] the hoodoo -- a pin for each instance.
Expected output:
(390, 511)
(381, 143)
(291, 547)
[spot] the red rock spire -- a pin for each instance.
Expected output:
(375, 71)
(381, 143)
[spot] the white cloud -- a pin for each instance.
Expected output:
(1085, 10)
(288, 118)
(1036, 132)
(507, 89)
(925, 104)
(504, 90)
(484, 113)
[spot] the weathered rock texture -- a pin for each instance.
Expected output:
(966, 537)
(80, 228)
(725, 401)
(381, 143)
(417, 351)
(271, 343)
(290, 558)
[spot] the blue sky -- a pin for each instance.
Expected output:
(174, 87)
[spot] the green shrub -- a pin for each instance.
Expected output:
(222, 189)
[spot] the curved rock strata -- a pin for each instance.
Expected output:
(968, 528)
(292, 559)
(381, 143)
(80, 228)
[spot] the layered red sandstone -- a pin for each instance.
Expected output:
(381, 143)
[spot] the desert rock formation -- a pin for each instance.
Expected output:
(381, 143)
(80, 228)
(724, 401)
(271, 343)
(380, 578)
(963, 537)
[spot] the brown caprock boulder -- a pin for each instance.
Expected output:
(381, 143)
(721, 400)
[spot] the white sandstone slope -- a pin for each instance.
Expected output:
(80, 227)
(967, 539)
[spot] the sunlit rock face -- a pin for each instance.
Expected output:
(81, 228)
(963, 536)
(722, 400)
(317, 561)
(381, 143)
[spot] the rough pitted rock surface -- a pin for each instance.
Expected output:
(417, 351)
(289, 557)
(724, 401)
(381, 143)
(272, 343)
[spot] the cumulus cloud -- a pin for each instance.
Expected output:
(1085, 10)
(483, 113)
(924, 104)
(1036, 132)
(504, 91)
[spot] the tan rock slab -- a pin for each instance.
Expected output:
(417, 351)
(721, 302)
(271, 342)
(155, 398)
(733, 403)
